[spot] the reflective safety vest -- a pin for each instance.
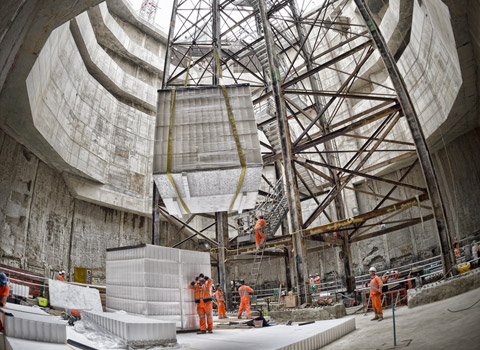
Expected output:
(260, 224)
(375, 285)
(244, 290)
(219, 295)
(202, 292)
(4, 291)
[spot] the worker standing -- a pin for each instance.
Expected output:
(375, 294)
(259, 233)
(220, 302)
(203, 299)
(4, 292)
(317, 284)
(385, 279)
(61, 276)
(244, 299)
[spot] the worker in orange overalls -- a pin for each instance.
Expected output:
(259, 234)
(317, 284)
(203, 299)
(4, 292)
(61, 276)
(376, 285)
(244, 299)
(220, 302)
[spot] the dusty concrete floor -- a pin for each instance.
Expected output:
(429, 326)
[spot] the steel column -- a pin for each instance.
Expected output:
(221, 228)
(423, 152)
(291, 188)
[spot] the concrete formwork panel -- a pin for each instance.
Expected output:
(153, 281)
(196, 149)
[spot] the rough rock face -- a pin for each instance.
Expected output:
(305, 315)
(444, 289)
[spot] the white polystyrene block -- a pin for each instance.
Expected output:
(19, 290)
(146, 293)
(194, 257)
(24, 344)
(144, 265)
(36, 327)
(69, 296)
(144, 251)
(143, 307)
(141, 279)
(204, 154)
(153, 281)
(134, 329)
(23, 308)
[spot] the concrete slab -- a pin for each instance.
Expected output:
(133, 329)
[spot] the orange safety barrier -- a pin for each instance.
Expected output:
(399, 296)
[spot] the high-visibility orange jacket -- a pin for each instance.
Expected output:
(243, 291)
(4, 291)
(219, 295)
(261, 223)
(202, 292)
(376, 285)
(396, 275)
(60, 278)
(385, 278)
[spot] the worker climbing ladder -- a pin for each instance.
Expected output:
(273, 208)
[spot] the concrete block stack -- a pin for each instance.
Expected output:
(153, 281)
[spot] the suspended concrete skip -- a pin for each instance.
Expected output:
(207, 153)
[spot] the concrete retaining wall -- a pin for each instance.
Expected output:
(444, 289)
(306, 315)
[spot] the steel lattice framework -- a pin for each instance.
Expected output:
(328, 120)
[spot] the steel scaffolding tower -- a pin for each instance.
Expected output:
(330, 120)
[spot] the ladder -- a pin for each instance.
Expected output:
(274, 208)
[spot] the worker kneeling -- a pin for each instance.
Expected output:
(244, 299)
(376, 293)
(203, 299)
(259, 234)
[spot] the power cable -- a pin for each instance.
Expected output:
(466, 308)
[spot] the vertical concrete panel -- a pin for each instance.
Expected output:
(48, 237)
(95, 229)
(17, 173)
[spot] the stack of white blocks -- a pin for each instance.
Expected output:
(134, 330)
(153, 281)
(33, 326)
(19, 290)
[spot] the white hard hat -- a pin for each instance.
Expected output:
(372, 269)
(62, 272)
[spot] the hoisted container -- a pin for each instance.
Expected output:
(207, 153)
